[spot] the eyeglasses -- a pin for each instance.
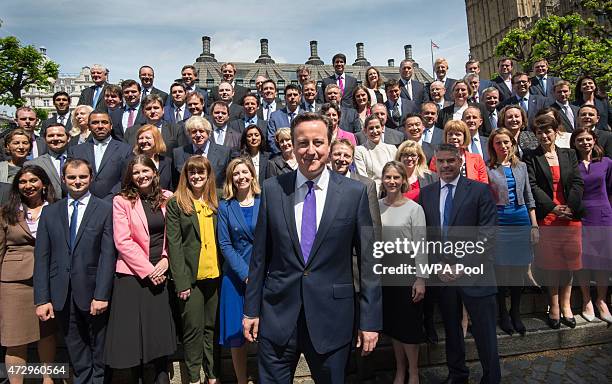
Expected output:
(409, 155)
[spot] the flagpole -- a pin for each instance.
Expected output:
(433, 69)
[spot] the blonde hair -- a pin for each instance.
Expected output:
(413, 148)
(160, 145)
(184, 194)
(458, 126)
(282, 134)
(75, 130)
(195, 121)
(229, 189)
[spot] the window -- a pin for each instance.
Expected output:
(86, 77)
(46, 103)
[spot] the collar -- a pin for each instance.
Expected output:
(320, 181)
(104, 142)
(126, 108)
(339, 76)
(56, 155)
(204, 147)
(453, 182)
(566, 105)
(296, 112)
(476, 137)
(223, 128)
(269, 104)
(83, 200)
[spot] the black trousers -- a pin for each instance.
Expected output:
(483, 313)
(277, 363)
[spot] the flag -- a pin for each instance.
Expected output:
(434, 45)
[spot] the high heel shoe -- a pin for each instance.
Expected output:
(606, 318)
(569, 321)
(588, 317)
(518, 325)
(553, 323)
(506, 325)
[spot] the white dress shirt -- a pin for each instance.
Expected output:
(321, 183)
(126, 116)
(443, 193)
(83, 201)
(99, 150)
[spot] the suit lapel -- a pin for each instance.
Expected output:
(139, 208)
(332, 201)
(24, 225)
(545, 168)
(287, 201)
(195, 222)
(63, 208)
(52, 172)
(235, 210)
(460, 195)
(89, 213)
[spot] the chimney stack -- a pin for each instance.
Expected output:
(408, 52)
(206, 56)
(361, 60)
(314, 58)
(264, 57)
(391, 63)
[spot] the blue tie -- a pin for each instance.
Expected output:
(73, 223)
(474, 147)
(448, 209)
(62, 160)
(96, 96)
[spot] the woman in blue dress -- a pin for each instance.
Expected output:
(517, 225)
(235, 230)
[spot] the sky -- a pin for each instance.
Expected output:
(124, 34)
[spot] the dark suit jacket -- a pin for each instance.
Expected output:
(281, 284)
(170, 112)
(40, 143)
(535, 104)
(447, 114)
(277, 166)
(5, 193)
(260, 112)
(349, 87)
(537, 89)
(429, 151)
(232, 136)
(438, 136)
(484, 142)
(88, 269)
(239, 93)
(278, 119)
(261, 123)
(107, 180)
(119, 130)
(473, 218)
(165, 173)
(173, 135)
(349, 120)
(408, 106)
(160, 93)
(540, 180)
(52, 120)
(391, 136)
(419, 95)
(604, 139)
(564, 120)
(218, 155)
(504, 91)
(87, 96)
(605, 113)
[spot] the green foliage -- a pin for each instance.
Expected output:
(22, 67)
(42, 114)
(566, 42)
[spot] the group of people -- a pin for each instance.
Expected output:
(222, 216)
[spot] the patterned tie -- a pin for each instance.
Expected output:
(291, 117)
(569, 114)
(177, 115)
(96, 96)
(311, 108)
(73, 223)
(341, 84)
(61, 119)
(493, 120)
(543, 81)
(397, 116)
(309, 221)
(131, 114)
(145, 91)
(448, 209)
(268, 111)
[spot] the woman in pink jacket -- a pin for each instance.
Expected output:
(141, 329)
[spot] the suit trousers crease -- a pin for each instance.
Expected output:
(199, 314)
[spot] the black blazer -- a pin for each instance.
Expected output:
(173, 135)
(504, 91)
(52, 120)
(5, 192)
(408, 106)
(537, 89)
(446, 114)
(535, 104)
(218, 155)
(540, 179)
(564, 120)
(277, 166)
(350, 84)
(605, 113)
(160, 93)
(165, 173)
(239, 93)
(107, 180)
(119, 131)
(87, 96)
(418, 92)
(260, 112)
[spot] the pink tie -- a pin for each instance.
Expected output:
(130, 121)
(341, 84)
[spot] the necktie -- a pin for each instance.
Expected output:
(96, 96)
(249, 122)
(523, 103)
(569, 114)
(474, 146)
(199, 151)
(309, 221)
(131, 114)
(62, 159)
(493, 120)
(73, 223)
(99, 153)
(409, 90)
(427, 135)
(397, 116)
(145, 91)
(291, 117)
(61, 119)
(218, 133)
(341, 84)
(177, 115)
(268, 111)
(448, 209)
(311, 108)
(543, 81)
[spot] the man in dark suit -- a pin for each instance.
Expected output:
(131, 113)
(228, 73)
(26, 119)
(588, 117)
(541, 83)
(107, 156)
(473, 82)
(345, 82)
(414, 127)
(199, 130)
(94, 95)
(389, 136)
(61, 102)
(250, 105)
(567, 111)
(225, 92)
(53, 161)
(189, 74)
(146, 76)
(437, 95)
(349, 118)
(309, 97)
(473, 66)
(282, 118)
(503, 81)
(432, 134)
(195, 104)
(531, 103)
(411, 89)
(459, 209)
(491, 102)
(176, 111)
(397, 108)
(310, 220)
(74, 265)
(472, 117)
(441, 70)
(225, 132)
(270, 102)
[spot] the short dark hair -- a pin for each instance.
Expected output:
(60, 93)
(250, 95)
(269, 81)
(98, 112)
(294, 87)
(331, 105)
(152, 98)
(177, 84)
(113, 89)
(221, 103)
(190, 66)
(130, 83)
(146, 66)
(392, 83)
(339, 56)
(55, 125)
(311, 116)
(75, 162)
(410, 115)
(519, 74)
(448, 148)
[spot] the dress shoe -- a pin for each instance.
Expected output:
(569, 321)
(606, 318)
(518, 325)
(553, 323)
(588, 317)
(506, 325)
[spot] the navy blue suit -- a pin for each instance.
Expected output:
(408, 106)
(310, 306)
(537, 88)
(473, 218)
(71, 279)
(116, 116)
(278, 119)
(350, 83)
(502, 87)
(170, 113)
(107, 180)
(418, 92)
(534, 105)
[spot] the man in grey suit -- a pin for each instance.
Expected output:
(345, 83)
(389, 136)
(541, 83)
(94, 95)
(147, 75)
(53, 161)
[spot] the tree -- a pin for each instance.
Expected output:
(22, 67)
(566, 42)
